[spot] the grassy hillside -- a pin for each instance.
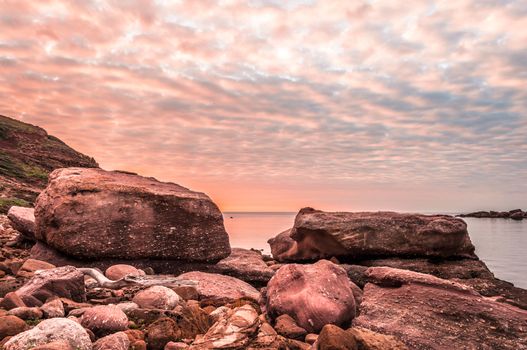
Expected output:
(27, 155)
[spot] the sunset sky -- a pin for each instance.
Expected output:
(275, 105)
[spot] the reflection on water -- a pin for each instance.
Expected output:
(252, 230)
(500, 243)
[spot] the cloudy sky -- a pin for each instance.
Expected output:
(274, 105)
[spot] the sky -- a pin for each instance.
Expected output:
(269, 105)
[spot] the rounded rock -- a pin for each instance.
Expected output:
(116, 341)
(11, 325)
(157, 297)
(104, 319)
(116, 272)
(49, 331)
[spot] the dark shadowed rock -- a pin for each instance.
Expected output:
(247, 265)
(139, 218)
(313, 295)
(426, 312)
(11, 300)
(518, 215)
(23, 220)
(218, 290)
(318, 234)
(26, 313)
(65, 281)
(162, 331)
(44, 252)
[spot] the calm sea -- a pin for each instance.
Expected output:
(500, 243)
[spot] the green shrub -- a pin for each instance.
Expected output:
(6, 203)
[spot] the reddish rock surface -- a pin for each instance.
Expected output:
(157, 297)
(233, 330)
(139, 218)
(11, 325)
(104, 319)
(335, 338)
(23, 220)
(218, 290)
(162, 331)
(116, 272)
(247, 265)
(471, 272)
(314, 295)
(30, 266)
(369, 340)
(49, 331)
(317, 235)
(11, 300)
(65, 281)
(426, 312)
(116, 341)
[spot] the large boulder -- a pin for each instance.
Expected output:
(65, 281)
(217, 290)
(49, 331)
(421, 309)
(314, 295)
(23, 220)
(317, 234)
(97, 214)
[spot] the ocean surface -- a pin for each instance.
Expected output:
(500, 243)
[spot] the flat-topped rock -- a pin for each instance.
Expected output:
(317, 234)
(217, 290)
(426, 312)
(23, 220)
(97, 214)
(245, 264)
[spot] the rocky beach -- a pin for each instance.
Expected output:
(114, 260)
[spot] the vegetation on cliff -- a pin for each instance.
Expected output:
(27, 155)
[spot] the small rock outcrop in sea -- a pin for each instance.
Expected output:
(317, 234)
(515, 214)
(97, 214)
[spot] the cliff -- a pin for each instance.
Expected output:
(27, 155)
